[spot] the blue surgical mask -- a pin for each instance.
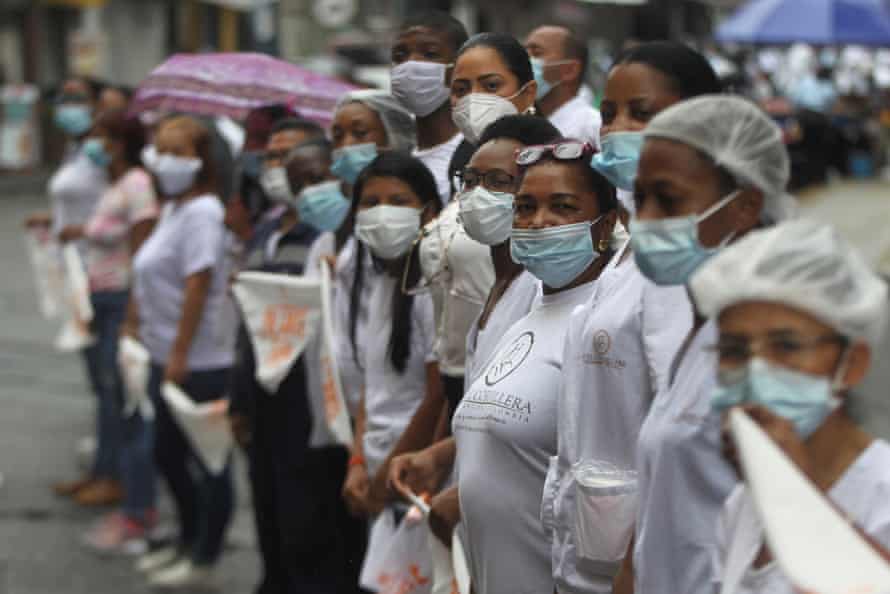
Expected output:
(668, 251)
(323, 206)
(544, 86)
(804, 399)
(556, 255)
(94, 149)
(619, 158)
(351, 160)
(74, 119)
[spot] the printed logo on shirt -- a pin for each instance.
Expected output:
(510, 359)
(602, 344)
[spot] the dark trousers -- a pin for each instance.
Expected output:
(109, 309)
(204, 501)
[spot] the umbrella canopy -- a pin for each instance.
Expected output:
(231, 84)
(829, 22)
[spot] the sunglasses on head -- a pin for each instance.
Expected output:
(567, 150)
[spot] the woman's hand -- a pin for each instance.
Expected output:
(39, 219)
(355, 490)
(177, 367)
(417, 472)
(445, 514)
(71, 233)
(239, 423)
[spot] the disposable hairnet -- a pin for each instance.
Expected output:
(740, 138)
(399, 122)
(802, 264)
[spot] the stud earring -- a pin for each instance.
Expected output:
(603, 245)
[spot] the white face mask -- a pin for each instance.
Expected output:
(476, 111)
(419, 86)
(487, 216)
(276, 185)
(388, 231)
(175, 174)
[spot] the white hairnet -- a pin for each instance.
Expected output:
(740, 138)
(802, 264)
(401, 131)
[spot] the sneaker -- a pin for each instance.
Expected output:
(100, 493)
(183, 573)
(155, 560)
(116, 534)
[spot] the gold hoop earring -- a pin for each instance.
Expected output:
(603, 245)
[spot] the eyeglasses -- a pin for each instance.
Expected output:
(568, 150)
(734, 353)
(496, 180)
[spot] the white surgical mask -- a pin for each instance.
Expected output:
(388, 231)
(276, 185)
(487, 216)
(476, 111)
(175, 174)
(419, 86)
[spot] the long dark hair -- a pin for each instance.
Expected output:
(515, 56)
(415, 174)
(124, 128)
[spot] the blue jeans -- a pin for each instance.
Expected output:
(137, 463)
(109, 310)
(204, 501)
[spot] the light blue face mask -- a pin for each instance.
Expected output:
(544, 86)
(74, 119)
(805, 400)
(619, 158)
(668, 251)
(351, 160)
(556, 255)
(323, 206)
(94, 149)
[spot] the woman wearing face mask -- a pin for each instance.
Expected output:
(643, 81)
(426, 45)
(488, 185)
(123, 218)
(180, 286)
(799, 313)
(712, 169)
(620, 343)
(505, 427)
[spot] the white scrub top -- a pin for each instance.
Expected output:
(391, 398)
(514, 304)
(618, 351)
(683, 479)
(578, 119)
(861, 492)
(505, 432)
(437, 159)
(460, 274)
(74, 191)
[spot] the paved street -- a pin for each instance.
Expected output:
(46, 408)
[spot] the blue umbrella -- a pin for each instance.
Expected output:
(828, 22)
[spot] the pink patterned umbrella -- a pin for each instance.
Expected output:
(231, 84)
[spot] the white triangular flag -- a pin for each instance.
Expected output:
(42, 252)
(817, 549)
(75, 333)
(134, 361)
(205, 425)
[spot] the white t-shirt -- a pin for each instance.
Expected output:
(349, 360)
(577, 119)
(618, 350)
(189, 238)
(437, 159)
(683, 479)
(514, 304)
(505, 432)
(460, 273)
(862, 492)
(74, 192)
(391, 398)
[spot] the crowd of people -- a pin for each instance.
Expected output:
(541, 311)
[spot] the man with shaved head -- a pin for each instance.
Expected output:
(559, 59)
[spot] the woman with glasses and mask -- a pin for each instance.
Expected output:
(505, 427)
(712, 169)
(799, 314)
(180, 287)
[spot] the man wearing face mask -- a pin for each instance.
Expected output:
(426, 45)
(306, 536)
(559, 61)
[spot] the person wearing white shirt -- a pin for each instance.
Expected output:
(559, 60)
(505, 428)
